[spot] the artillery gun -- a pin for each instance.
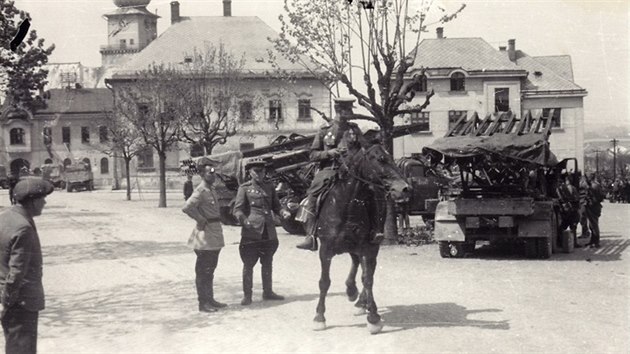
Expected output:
(508, 185)
(292, 172)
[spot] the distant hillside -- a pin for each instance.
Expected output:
(613, 131)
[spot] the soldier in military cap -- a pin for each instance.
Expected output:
(331, 142)
(255, 202)
(207, 237)
(21, 288)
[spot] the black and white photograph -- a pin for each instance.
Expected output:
(314, 176)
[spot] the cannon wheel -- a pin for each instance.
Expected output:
(292, 226)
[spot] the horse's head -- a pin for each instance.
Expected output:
(379, 168)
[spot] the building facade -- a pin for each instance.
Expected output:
(468, 75)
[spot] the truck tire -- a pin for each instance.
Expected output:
(292, 226)
(69, 187)
(530, 248)
(62, 185)
(452, 249)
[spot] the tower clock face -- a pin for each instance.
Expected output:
(119, 26)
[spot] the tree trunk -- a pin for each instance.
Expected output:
(127, 161)
(162, 157)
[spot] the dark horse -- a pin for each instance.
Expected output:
(346, 219)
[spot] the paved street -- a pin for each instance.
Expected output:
(119, 278)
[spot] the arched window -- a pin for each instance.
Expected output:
(16, 136)
(458, 81)
(87, 163)
(67, 162)
(420, 85)
(104, 166)
(47, 161)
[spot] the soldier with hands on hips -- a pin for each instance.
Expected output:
(255, 203)
(207, 237)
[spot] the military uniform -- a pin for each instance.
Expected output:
(591, 197)
(254, 206)
(569, 208)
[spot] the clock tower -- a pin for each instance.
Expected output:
(130, 28)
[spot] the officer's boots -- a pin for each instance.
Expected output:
(247, 286)
(309, 243)
(210, 304)
(268, 293)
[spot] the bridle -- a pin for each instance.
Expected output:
(353, 175)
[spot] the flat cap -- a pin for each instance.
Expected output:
(32, 188)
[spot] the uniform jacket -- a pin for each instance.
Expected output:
(203, 206)
(20, 261)
(256, 203)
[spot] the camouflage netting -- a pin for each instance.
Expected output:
(530, 148)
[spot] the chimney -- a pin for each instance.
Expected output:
(512, 50)
(440, 32)
(174, 12)
(227, 8)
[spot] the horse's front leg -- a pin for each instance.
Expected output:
(351, 283)
(324, 284)
(368, 266)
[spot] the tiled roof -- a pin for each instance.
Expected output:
(541, 77)
(560, 64)
(78, 101)
(240, 35)
(470, 54)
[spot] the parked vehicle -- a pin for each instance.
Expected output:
(508, 186)
(54, 173)
(79, 176)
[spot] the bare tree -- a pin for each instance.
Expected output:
(150, 100)
(370, 37)
(119, 137)
(213, 97)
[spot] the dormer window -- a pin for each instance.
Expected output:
(458, 82)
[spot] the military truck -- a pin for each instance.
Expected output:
(78, 176)
(54, 173)
(508, 183)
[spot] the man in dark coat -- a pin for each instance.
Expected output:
(255, 202)
(188, 187)
(21, 288)
(569, 207)
(330, 143)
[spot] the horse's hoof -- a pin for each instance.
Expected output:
(375, 328)
(360, 311)
(319, 326)
(352, 292)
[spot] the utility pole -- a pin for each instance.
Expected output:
(614, 141)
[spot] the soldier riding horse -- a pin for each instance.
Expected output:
(347, 217)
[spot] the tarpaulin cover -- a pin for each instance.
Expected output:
(532, 148)
(228, 163)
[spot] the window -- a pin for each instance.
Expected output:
(131, 41)
(421, 117)
(197, 150)
(275, 110)
(103, 134)
(145, 158)
(245, 110)
(85, 135)
(453, 117)
(304, 109)
(67, 162)
(88, 165)
(246, 146)
(16, 136)
(47, 136)
(104, 166)
(501, 99)
(47, 161)
(421, 85)
(123, 43)
(556, 120)
(65, 135)
(458, 82)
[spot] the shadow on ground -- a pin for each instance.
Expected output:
(87, 252)
(445, 314)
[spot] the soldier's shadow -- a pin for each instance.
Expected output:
(447, 314)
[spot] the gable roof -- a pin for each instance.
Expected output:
(98, 100)
(543, 78)
(241, 35)
(470, 54)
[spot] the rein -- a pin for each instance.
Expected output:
(370, 183)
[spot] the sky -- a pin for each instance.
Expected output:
(595, 33)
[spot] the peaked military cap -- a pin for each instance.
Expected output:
(206, 161)
(32, 188)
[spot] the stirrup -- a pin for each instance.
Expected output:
(309, 243)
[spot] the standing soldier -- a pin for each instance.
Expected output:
(207, 237)
(188, 187)
(255, 202)
(569, 206)
(330, 143)
(21, 288)
(594, 210)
